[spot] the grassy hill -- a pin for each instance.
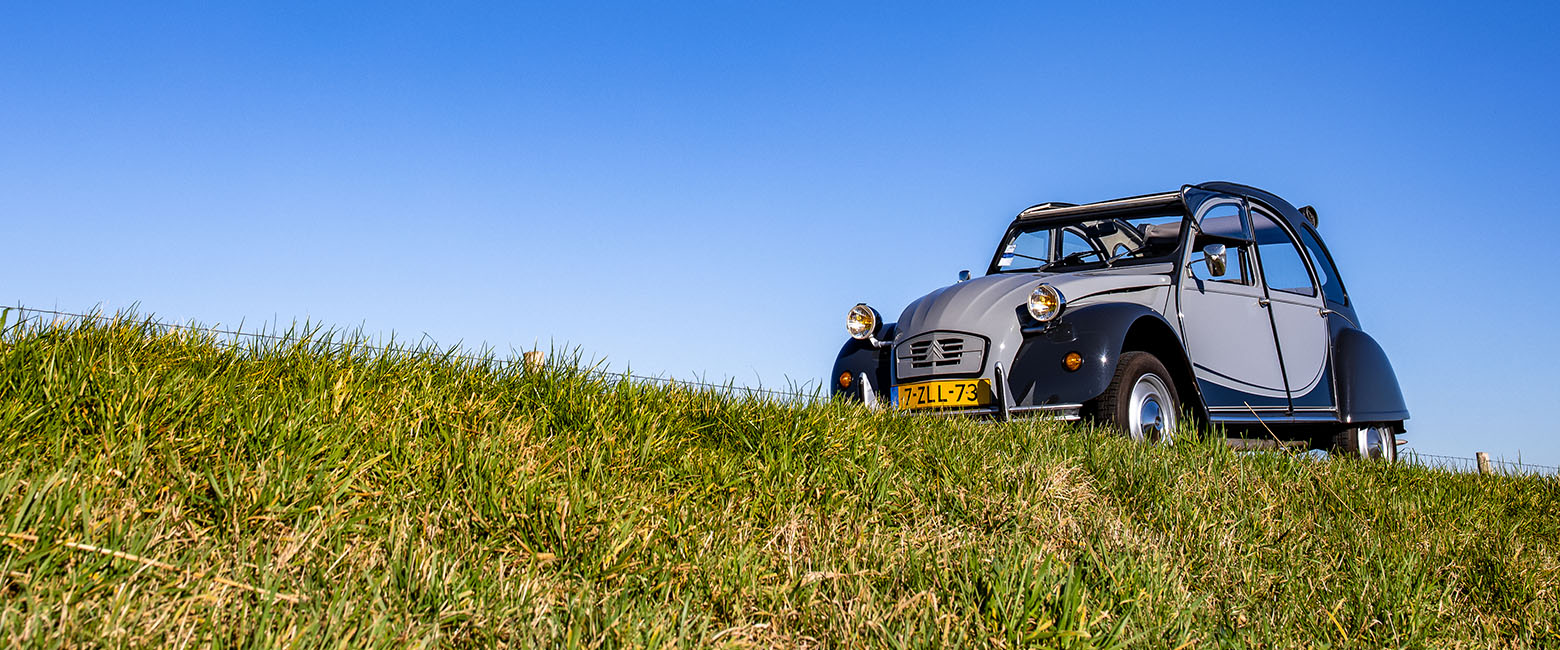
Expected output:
(161, 488)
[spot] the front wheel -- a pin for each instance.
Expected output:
(1374, 441)
(1141, 400)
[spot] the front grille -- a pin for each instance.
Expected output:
(936, 352)
(939, 353)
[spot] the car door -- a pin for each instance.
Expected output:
(1224, 318)
(1298, 317)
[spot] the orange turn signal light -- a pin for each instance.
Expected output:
(1072, 362)
(845, 379)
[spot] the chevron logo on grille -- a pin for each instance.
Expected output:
(936, 352)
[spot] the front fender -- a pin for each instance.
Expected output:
(1368, 389)
(857, 357)
(1097, 332)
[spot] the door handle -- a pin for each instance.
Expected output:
(1263, 302)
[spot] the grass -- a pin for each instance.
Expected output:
(162, 488)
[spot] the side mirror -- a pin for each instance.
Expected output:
(1214, 256)
(964, 276)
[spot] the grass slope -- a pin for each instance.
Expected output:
(310, 495)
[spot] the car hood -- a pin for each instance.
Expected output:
(994, 301)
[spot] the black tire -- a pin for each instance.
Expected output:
(1116, 406)
(1376, 441)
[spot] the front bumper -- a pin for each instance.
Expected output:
(1004, 408)
(1063, 412)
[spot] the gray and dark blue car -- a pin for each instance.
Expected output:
(1218, 301)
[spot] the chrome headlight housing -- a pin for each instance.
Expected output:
(1046, 303)
(862, 322)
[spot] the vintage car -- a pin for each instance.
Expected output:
(1218, 301)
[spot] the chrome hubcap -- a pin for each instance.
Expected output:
(1375, 443)
(1150, 411)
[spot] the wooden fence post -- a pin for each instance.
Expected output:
(533, 361)
(1484, 463)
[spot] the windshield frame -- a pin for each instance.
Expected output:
(1060, 224)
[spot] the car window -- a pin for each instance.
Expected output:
(1282, 267)
(1072, 242)
(1091, 241)
(1332, 287)
(1225, 220)
(1225, 224)
(1150, 236)
(1027, 251)
(1236, 269)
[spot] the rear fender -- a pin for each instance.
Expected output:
(1368, 389)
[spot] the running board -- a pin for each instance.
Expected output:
(1273, 418)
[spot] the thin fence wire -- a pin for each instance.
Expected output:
(1461, 464)
(1454, 463)
(354, 345)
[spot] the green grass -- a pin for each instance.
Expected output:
(414, 498)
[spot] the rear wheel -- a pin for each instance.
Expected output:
(1374, 441)
(1141, 400)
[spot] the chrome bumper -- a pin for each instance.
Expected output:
(1063, 412)
(1003, 410)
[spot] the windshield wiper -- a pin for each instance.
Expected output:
(1065, 259)
(1071, 258)
(1122, 254)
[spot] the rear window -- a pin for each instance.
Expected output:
(1327, 274)
(1282, 266)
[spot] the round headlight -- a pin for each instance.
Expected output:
(861, 322)
(1046, 303)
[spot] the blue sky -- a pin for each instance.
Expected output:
(704, 190)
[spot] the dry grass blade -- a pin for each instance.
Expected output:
(131, 557)
(1276, 441)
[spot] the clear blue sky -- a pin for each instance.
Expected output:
(706, 189)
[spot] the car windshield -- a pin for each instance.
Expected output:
(1096, 241)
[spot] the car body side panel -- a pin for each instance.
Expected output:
(1304, 345)
(1229, 338)
(1320, 396)
(1368, 389)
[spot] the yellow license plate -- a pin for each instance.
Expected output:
(945, 394)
